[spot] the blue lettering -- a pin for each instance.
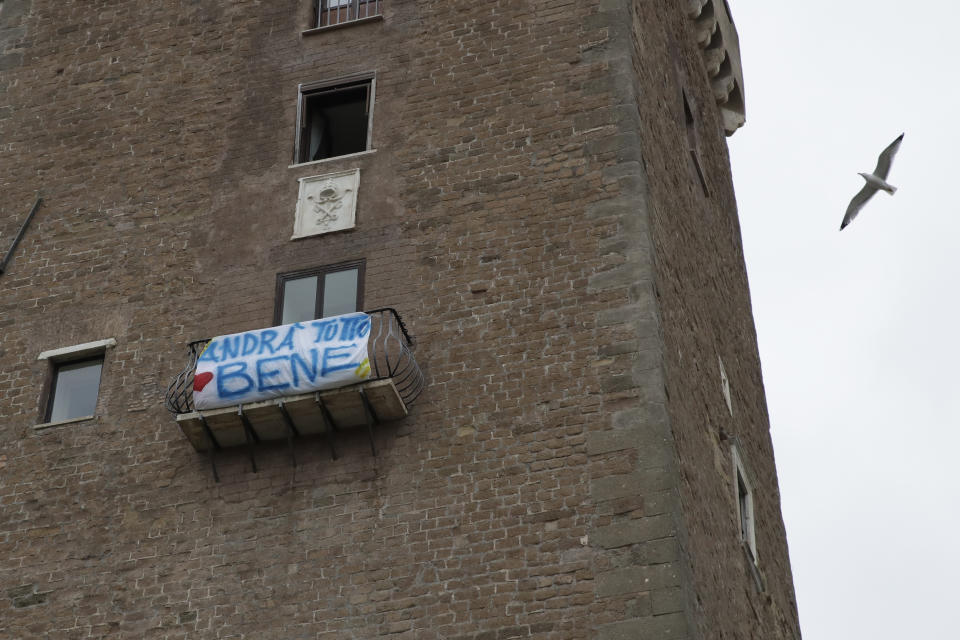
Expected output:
(228, 389)
(267, 336)
(231, 347)
(337, 353)
(209, 352)
(250, 343)
(353, 326)
(263, 375)
(287, 342)
(310, 371)
(330, 333)
(326, 330)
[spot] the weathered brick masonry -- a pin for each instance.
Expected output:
(530, 210)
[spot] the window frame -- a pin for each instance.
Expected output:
(320, 272)
(58, 358)
(54, 384)
(305, 89)
(744, 494)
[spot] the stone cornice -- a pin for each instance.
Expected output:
(719, 45)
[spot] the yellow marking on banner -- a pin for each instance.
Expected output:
(363, 369)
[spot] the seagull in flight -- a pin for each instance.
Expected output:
(875, 182)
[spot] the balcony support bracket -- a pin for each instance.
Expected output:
(214, 447)
(371, 420)
(328, 422)
(250, 435)
(291, 431)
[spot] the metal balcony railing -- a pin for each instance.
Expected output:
(333, 12)
(389, 348)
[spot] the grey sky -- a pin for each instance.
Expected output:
(858, 330)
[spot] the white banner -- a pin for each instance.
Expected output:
(282, 361)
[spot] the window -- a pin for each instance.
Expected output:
(73, 393)
(725, 386)
(745, 507)
(318, 293)
(333, 119)
(74, 381)
(693, 144)
(332, 12)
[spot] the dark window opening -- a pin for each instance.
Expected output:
(331, 12)
(73, 393)
(318, 293)
(334, 121)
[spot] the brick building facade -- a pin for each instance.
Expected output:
(544, 197)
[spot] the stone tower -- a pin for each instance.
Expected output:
(559, 429)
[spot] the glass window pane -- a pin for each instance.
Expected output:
(75, 390)
(340, 292)
(299, 300)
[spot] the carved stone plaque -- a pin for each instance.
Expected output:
(326, 203)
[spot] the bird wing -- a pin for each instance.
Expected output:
(857, 203)
(886, 158)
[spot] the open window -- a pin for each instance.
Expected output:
(333, 119)
(319, 293)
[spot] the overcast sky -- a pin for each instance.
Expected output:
(858, 330)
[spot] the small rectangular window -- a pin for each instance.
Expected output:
(318, 293)
(333, 120)
(74, 381)
(331, 12)
(73, 392)
(745, 507)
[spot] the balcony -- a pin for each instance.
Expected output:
(394, 382)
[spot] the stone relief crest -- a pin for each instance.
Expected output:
(326, 203)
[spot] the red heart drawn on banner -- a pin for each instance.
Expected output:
(201, 380)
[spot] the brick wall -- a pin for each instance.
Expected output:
(526, 214)
(704, 304)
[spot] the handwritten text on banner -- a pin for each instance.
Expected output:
(282, 361)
